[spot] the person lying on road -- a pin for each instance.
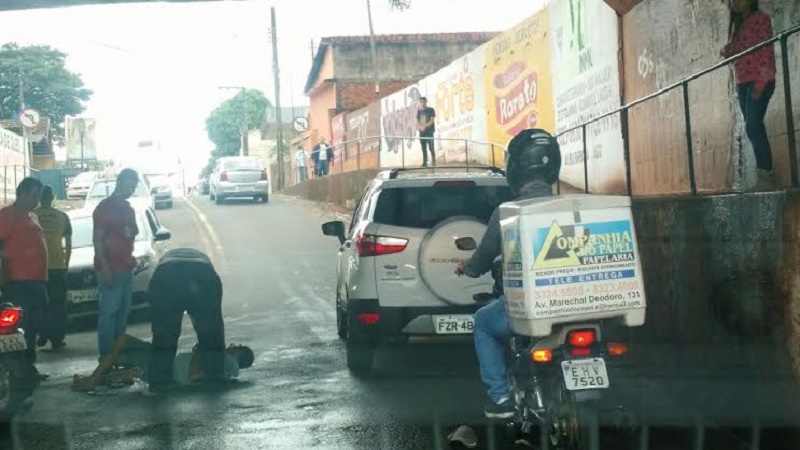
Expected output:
(133, 354)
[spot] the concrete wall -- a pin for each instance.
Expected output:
(355, 95)
(666, 41)
(323, 103)
(342, 189)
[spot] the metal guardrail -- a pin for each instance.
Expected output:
(684, 85)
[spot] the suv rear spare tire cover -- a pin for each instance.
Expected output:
(439, 255)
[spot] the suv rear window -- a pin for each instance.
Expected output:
(425, 207)
(242, 164)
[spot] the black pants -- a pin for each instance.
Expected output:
(185, 281)
(32, 297)
(754, 112)
(55, 314)
(426, 142)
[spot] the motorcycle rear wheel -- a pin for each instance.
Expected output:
(569, 424)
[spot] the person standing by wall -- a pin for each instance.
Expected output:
(300, 161)
(323, 152)
(426, 125)
(114, 232)
(315, 161)
(755, 79)
(24, 258)
(58, 237)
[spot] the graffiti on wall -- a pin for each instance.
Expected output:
(398, 127)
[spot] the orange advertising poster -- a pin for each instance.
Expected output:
(517, 79)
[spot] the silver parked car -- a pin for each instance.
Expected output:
(397, 260)
(150, 245)
(239, 177)
(161, 188)
(79, 186)
(103, 187)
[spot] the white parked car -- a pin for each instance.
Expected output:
(142, 198)
(161, 188)
(80, 185)
(150, 246)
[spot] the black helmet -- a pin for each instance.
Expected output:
(532, 153)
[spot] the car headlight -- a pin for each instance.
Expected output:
(143, 263)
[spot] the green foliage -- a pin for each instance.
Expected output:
(224, 124)
(47, 84)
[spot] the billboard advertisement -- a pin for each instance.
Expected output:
(585, 65)
(400, 146)
(457, 94)
(337, 138)
(518, 81)
(80, 138)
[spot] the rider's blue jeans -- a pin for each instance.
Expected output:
(491, 334)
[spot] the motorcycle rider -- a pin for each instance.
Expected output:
(533, 163)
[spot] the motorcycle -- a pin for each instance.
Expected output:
(558, 381)
(16, 381)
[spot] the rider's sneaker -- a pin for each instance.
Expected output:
(503, 410)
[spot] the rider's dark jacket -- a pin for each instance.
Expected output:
(483, 260)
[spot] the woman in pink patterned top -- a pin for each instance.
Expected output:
(755, 79)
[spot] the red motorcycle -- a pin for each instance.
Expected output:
(16, 380)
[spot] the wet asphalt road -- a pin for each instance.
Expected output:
(279, 278)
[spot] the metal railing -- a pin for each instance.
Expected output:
(781, 37)
(371, 152)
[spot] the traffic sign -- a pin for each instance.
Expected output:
(300, 124)
(30, 118)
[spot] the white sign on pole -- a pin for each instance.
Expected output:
(80, 138)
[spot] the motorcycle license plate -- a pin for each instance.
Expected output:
(12, 343)
(453, 324)
(583, 374)
(89, 295)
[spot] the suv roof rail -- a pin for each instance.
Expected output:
(393, 173)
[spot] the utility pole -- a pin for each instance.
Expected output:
(276, 73)
(311, 46)
(374, 52)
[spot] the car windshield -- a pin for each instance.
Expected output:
(242, 164)
(102, 189)
(82, 230)
(85, 177)
(424, 207)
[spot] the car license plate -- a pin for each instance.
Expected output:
(453, 324)
(12, 343)
(83, 296)
(583, 374)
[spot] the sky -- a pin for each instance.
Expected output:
(156, 68)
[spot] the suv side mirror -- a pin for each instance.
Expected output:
(163, 234)
(335, 228)
(466, 243)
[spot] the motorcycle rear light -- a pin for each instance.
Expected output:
(264, 175)
(223, 176)
(581, 338)
(369, 318)
(617, 349)
(542, 355)
(371, 245)
(10, 317)
(581, 351)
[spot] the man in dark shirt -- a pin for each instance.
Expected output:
(426, 125)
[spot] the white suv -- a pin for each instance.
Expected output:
(397, 260)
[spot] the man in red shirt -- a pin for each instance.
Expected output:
(114, 233)
(24, 258)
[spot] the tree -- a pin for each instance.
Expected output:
(224, 124)
(47, 85)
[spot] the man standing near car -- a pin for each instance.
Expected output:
(24, 258)
(58, 237)
(114, 232)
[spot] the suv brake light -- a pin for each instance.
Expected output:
(454, 183)
(223, 176)
(263, 175)
(372, 245)
(10, 317)
(581, 338)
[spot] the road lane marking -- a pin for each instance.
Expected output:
(209, 229)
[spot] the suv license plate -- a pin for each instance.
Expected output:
(454, 324)
(583, 374)
(12, 343)
(89, 295)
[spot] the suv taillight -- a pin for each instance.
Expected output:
(223, 176)
(371, 245)
(264, 175)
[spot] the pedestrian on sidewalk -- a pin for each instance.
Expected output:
(24, 258)
(114, 232)
(315, 161)
(58, 237)
(755, 79)
(427, 127)
(324, 154)
(300, 160)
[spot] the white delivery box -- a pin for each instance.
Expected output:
(570, 258)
